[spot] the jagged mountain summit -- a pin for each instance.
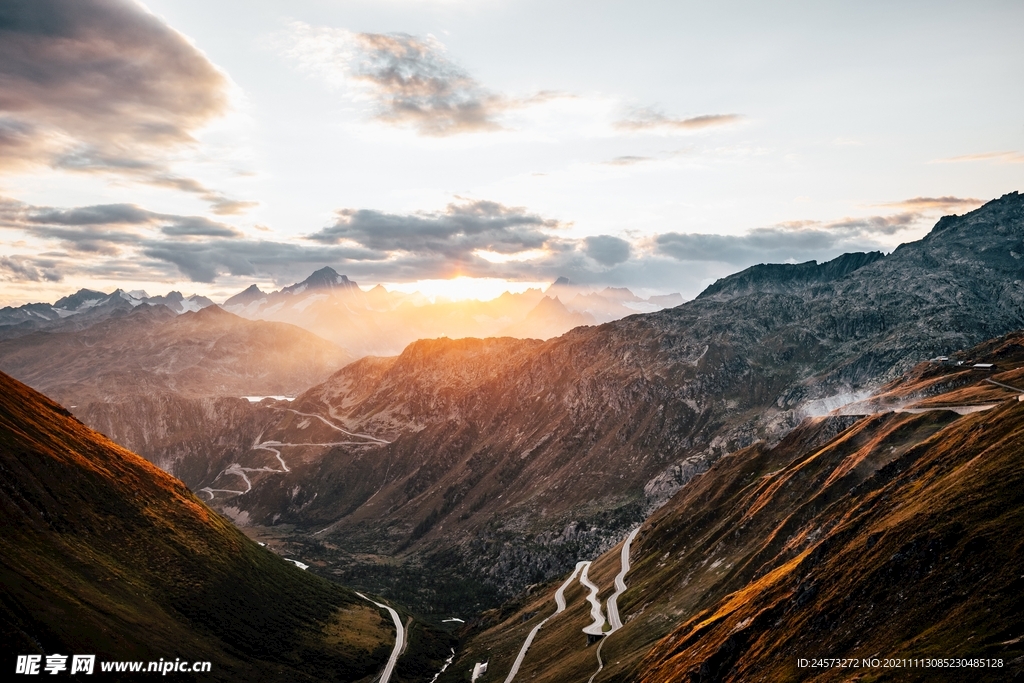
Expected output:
(87, 307)
(105, 554)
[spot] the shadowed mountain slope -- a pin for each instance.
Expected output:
(105, 554)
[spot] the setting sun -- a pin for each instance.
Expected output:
(463, 288)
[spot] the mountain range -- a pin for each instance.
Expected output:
(379, 322)
(87, 307)
(796, 434)
(500, 462)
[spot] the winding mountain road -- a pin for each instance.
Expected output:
(613, 600)
(399, 639)
(334, 426)
(275, 446)
(596, 627)
(620, 584)
(559, 608)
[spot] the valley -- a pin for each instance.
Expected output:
(797, 463)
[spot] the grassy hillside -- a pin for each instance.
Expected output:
(105, 554)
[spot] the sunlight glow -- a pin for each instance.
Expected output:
(463, 288)
(495, 257)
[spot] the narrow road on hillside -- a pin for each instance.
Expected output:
(275, 446)
(559, 608)
(613, 601)
(399, 639)
(334, 426)
(596, 628)
(1005, 386)
(620, 584)
(237, 470)
(266, 446)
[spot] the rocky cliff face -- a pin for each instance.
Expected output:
(511, 458)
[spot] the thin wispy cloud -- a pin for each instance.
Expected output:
(627, 160)
(409, 80)
(653, 120)
(946, 203)
(102, 86)
(1009, 157)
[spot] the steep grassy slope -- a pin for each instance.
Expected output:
(894, 534)
(103, 553)
(922, 561)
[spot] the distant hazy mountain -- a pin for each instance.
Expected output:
(105, 554)
(379, 322)
(549, 318)
(151, 350)
(87, 307)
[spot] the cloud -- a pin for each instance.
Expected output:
(607, 250)
(101, 86)
(454, 233)
(999, 157)
(103, 214)
(105, 229)
(408, 80)
(884, 225)
(416, 84)
(206, 260)
(197, 226)
(651, 119)
(799, 240)
(627, 161)
(21, 268)
(472, 238)
(941, 203)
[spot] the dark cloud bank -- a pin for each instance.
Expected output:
(103, 86)
(127, 241)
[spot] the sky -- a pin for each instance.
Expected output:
(204, 146)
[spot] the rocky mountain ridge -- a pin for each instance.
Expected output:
(87, 307)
